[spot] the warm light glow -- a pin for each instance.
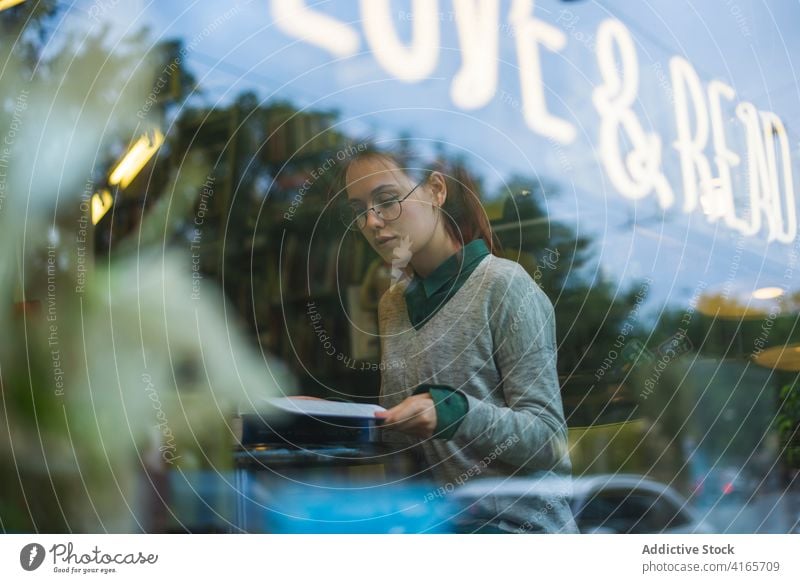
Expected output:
(783, 200)
(767, 293)
(530, 32)
(710, 201)
(779, 358)
(690, 104)
(738, 302)
(133, 162)
(770, 182)
(632, 155)
(9, 3)
(101, 203)
(635, 173)
(476, 82)
(408, 63)
(721, 196)
(300, 21)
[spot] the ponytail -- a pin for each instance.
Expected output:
(465, 217)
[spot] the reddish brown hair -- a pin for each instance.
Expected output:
(465, 217)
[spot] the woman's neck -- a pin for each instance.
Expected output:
(439, 248)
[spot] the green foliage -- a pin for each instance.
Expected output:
(787, 423)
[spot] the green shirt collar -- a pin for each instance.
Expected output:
(450, 268)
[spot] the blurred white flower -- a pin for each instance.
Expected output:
(401, 256)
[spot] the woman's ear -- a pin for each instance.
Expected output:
(438, 187)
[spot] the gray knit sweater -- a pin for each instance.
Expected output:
(494, 341)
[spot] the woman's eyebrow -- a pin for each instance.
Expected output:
(382, 187)
(374, 192)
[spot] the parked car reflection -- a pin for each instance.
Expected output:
(723, 485)
(606, 503)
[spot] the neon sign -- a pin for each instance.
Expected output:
(631, 157)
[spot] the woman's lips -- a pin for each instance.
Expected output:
(382, 242)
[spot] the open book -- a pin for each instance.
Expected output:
(323, 408)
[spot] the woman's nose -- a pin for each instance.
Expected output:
(374, 219)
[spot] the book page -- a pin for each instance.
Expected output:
(321, 407)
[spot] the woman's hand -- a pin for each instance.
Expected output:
(415, 416)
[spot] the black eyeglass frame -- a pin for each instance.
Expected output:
(352, 222)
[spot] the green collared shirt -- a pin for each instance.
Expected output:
(426, 296)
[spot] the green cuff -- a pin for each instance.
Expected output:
(451, 407)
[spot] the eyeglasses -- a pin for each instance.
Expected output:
(389, 209)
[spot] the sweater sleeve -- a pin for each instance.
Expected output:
(451, 407)
(529, 430)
